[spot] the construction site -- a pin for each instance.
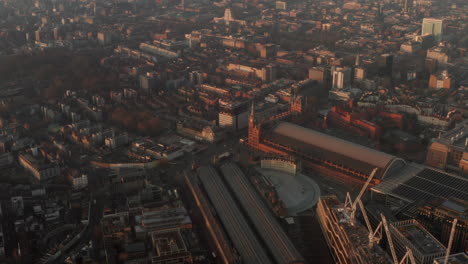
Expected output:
(404, 241)
(349, 243)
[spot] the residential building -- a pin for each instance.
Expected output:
(38, 167)
(208, 133)
(449, 150)
(440, 81)
(341, 78)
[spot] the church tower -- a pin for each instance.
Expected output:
(254, 129)
(295, 106)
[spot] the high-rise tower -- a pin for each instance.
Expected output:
(433, 26)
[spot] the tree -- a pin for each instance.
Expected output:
(56, 88)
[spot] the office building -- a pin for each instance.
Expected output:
(148, 81)
(433, 26)
(318, 74)
(440, 54)
(385, 63)
(341, 78)
(196, 77)
(104, 38)
(440, 81)
(442, 211)
(359, 73)
(411, 234)
(281, 5)
(38, 167)
(233, 115)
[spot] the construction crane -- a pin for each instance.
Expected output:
(450, 242)
(350, 205)
(389, 238)
(408, 257)
(374, 235)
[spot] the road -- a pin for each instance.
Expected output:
(97, 198)
(98, 194)
(204, 157)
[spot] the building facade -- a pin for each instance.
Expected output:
(341, 78)
(328, 155)
(411, 234)
(432, 26)
(449, 151)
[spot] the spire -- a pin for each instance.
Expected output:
(358, 60)
(252, 110)
(252, 115)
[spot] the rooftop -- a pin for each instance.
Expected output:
(315, 142)
(460, 258)
(420, 183)
(357, 234)
(455, 137)
(167, 242)
(298, 192)
(419, 237)
(281, 247)
(236, 225)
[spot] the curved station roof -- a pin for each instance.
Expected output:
(351, 155)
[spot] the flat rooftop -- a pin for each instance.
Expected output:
(419, 237)
(168, 242)
(455, 137)
(460, 258)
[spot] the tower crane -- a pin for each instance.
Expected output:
(389, 238)
(450, 242)
(408, 258)
(350, 205)
(374, 235)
